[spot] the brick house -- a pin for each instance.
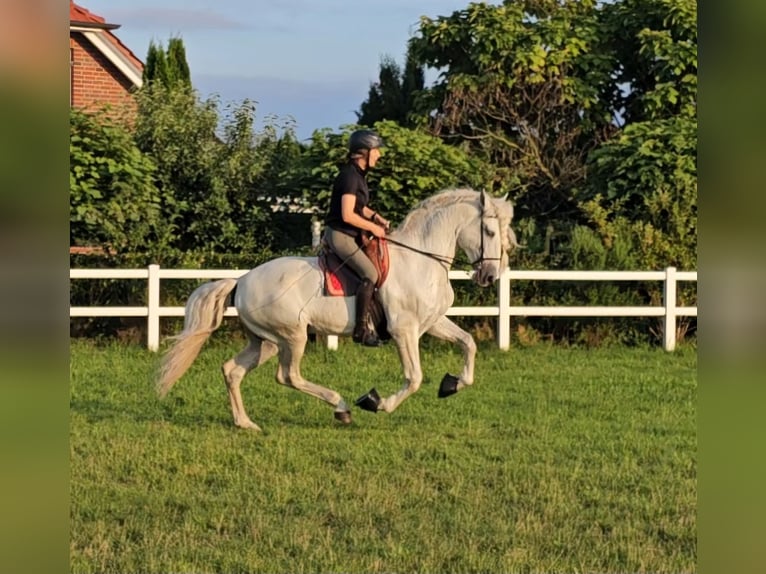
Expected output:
(103, 71)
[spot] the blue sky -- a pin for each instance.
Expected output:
(313, 60)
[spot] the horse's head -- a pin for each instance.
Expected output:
(487, 238)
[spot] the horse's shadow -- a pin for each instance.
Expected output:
(178, 411)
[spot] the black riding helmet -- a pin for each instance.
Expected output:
(364, 140)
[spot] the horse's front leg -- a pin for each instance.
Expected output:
(409, 355)
(447, 330)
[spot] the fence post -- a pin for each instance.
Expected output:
(504, 316)
(316, 237)
(670, 309)
(332, 342)
(316, 233)
(153, 305)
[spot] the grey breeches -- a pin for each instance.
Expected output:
(347, 249)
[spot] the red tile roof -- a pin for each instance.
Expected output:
(81, 16)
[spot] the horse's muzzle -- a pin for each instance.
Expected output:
(485, 275)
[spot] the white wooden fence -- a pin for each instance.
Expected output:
(153, 311)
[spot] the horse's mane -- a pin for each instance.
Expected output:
(421, 215)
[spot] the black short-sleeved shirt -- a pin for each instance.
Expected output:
(351, 179)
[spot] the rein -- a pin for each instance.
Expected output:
(448, 260)
(440, 258)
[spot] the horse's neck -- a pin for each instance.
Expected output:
(438, 231)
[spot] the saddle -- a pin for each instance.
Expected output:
(342, 281)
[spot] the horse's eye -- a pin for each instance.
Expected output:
(488, 231)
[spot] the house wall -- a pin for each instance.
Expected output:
(95, 81)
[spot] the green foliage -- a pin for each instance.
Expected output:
(589, 251)
(185, 189)
(113, 202)
(654, 46)
(414, 166)
(640, 205)
(640, 212)
(539, 89)
(645, 184)
(520, 86)
(216, 183)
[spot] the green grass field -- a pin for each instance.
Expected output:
(565, 460)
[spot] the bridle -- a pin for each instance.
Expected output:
(481, 258)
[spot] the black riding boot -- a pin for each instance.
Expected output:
(364, 332)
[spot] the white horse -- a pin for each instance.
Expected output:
(279, 300)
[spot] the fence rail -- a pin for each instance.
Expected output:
(670, 277)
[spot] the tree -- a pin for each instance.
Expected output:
(179, 133)
(168, 68)
(640, 197)
(643, 183)
(653, 44)
(392, 97)
(588, 111)
(178, 67)
(216, 175)
(545, 90)
(648, 178)
(520, 85)
(156, 67)
(113, 201)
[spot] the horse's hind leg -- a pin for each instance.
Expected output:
(289, 374)
(257, 352)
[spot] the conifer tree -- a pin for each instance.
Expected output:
(177, 65)
(392, 97)
(156, 67)
(168, 67)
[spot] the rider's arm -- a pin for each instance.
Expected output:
(347, 204)
(375, 217)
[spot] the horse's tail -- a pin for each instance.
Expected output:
(203, 315)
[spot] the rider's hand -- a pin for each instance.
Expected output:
(378, 231)
(378, 219)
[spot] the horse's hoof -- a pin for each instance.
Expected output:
(248, 425)
(343, 416)
(448, 386)
(369, 402)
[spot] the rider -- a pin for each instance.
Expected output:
(349, 217)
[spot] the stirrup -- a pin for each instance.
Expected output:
(372, 341)
(367, 338)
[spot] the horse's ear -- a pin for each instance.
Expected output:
(505, 197)
(483, 199)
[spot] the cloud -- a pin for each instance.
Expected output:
(184, 19)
